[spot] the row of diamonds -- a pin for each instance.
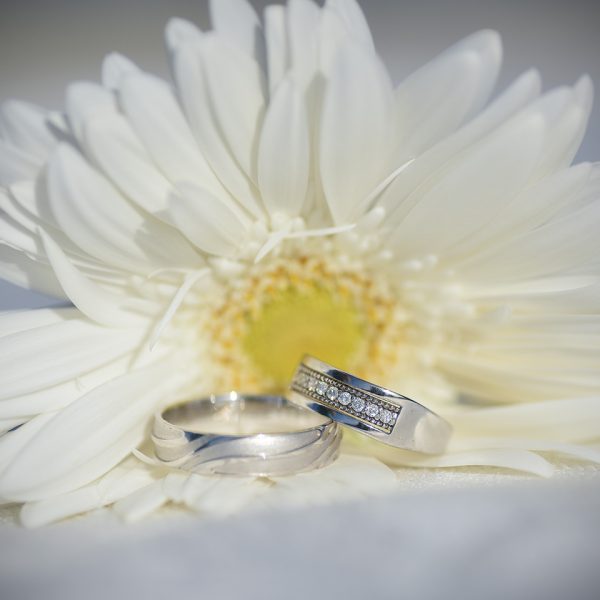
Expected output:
(348, 399)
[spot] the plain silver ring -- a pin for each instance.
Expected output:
(377, 412)
(179, 444)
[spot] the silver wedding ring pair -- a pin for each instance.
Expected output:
(269, 436)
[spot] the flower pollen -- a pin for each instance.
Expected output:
(288, 307)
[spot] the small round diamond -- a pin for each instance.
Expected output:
(321, 388)
(358, 404)
(386, 416)
(372, 410)
(312, 384)
(332, 392)
(345, 398)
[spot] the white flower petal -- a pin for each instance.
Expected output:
(567, 132)
(562, 244)
(153, 111)
(13, 321)
(349, 477)
(284, 160)
(584, 91)
(16, 165)
(360, 475)
(43, 512)
(117, 150)
(528, 291)
(13, 442)
(584, 453)
(100, 305)
(100, 221)
(34, 211)
(19, 228)
(193, 88)
(237, 92)
(45, 356)
(92, 213)
(194, 487)
(303, 20)
(211, 224)
(507, 458)
(567, 420)
(225, 496)
(10, 424)
(25, 126)
(28, 273)
(237, 22)
(84, 100)
(534, 206)
(404, 191)
(332, 36)
(356, 129)
(114, 67)
(354, 20)
(14, 210)
(88, 438)
(142, 502)
(14, 235)
(464, 76)
(56, 396)
(179, 32)
(22, 205)
(490, 380)
(174, 484)
(479, 184)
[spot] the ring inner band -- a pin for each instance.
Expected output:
(237, 434)
(236, 414)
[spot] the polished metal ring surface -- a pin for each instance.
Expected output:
(375, 411)
(238, 434)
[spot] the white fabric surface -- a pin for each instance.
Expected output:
(443, 534)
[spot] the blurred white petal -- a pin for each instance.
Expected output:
(464, 76)
(193, 86)
(47, 466)
(208, 222)
(122, 482)
(152, 110)
(237, 88)
(355, 128)
(26, 127)
(238, 22)
(284, 162)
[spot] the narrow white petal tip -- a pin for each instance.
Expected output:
(534, 78)
(13, 108)
(179, 31)
(114, 67)
(489, 39)
(484, 42)
(584, 89)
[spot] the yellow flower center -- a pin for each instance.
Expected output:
(264, 323)
(297, 322)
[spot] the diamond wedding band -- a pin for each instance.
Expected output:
(238, 434)
(375, 411)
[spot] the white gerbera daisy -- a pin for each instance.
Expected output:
(282, 197)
